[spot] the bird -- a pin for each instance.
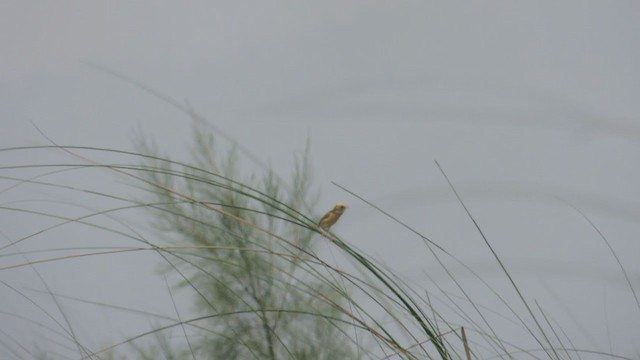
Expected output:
(332, 216)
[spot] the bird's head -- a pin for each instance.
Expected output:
(340, 207)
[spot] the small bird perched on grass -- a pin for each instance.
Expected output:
(332, 216)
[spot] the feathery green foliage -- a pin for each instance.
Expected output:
(238, 266)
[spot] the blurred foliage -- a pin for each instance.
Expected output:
(257, 299)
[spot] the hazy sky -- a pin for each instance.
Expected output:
(522, 103)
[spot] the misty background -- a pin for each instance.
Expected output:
(526, 106)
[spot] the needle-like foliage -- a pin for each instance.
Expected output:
(242, 265)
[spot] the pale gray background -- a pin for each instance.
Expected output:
(520, 102)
